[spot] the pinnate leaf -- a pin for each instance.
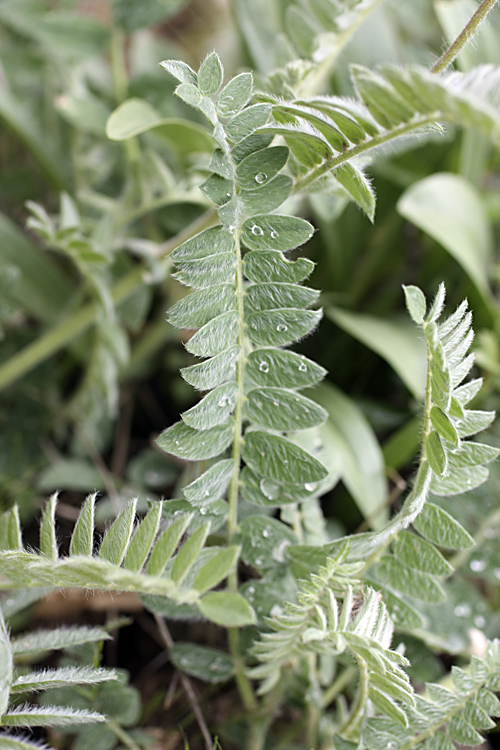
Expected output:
(281, 327)
(210, 75)
(213, 409)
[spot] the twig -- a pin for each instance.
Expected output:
(465, 36)
(186, 684)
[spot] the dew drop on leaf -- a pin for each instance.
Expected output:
(479, 621)
(265, 533)
(269, 488)
(477, 565)
(276, 610)
(274, 234)
(279, 551)
(303, 367)
(281, 327)
(310, 486)
(231, 229)
(260, 177)
(256, 229)
(462, 610)
(264, 366)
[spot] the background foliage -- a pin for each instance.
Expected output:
(101, 167)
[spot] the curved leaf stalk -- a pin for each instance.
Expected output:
(353, 722)
(464, 37)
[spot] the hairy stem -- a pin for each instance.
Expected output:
(464, 37)
(351, 725)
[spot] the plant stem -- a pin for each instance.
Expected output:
(350, 727)
(122, 735)
(338, 686)
(68, 330)
(244, 686)
(464, 37)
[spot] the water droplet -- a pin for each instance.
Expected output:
(229, 97)
(228, 195)
(462, 610)
(223, 402)
(259, 561)
(303, 367)
(310, 486)
(256, 229)
(276, 610)
(203, 511)
(270, 489)
(477, 565)
(275, 403)
(231, 229)
(479, 621)
(207, 493)
(281, 327)
(251, 590)
(260, 177)
(264, 366)
(274, 234)
(279, 551)
(177, 442)
(259, 609)
(265, 533)
(391, 745)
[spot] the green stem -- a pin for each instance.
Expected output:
(351, 725)
(68, 330)
(338, 686)
(122, 735)
(464, 37)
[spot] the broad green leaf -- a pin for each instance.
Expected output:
(307, 144)
(117, 538)
(396, 340)
(213, 409)
(271, 296)
(474, 421)
(276, 232)
(235, 95)
(209, 242)
(279, 368)
(214, 371)
(204, 272)
(449, 208)
(217, 569)
(402, 614)
(463, 732)
(280, 409)
(212, 483)
(166, 545)
(459, 480)
(245, 122)
(253, 142)
(436, 525)
(71, 474)
(196, 445)
(416, 303)
(272, 266)
(210, 74)
(444, 426)
(259, 168)
(135, 116)
(358, 187)
(48, 541)
(471, 454)
(48, 640)
(409, 580)
(362, 462)
(277, 458)
(82, 539)
(188, 553)
(218, 189)
(265, 541)
(180, 70)
(417, 553)
(281, 327)
(190, 94)
(202, 662)
(436, 455)
(227, 609)
(5, 666)
(62, 677)
(49, 716)
(221, 164)
(143, 539)
(216, 336)
(267, 198)
(268, 493)
(200, 307)
(96, 737)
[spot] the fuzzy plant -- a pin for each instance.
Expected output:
(247, 547)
